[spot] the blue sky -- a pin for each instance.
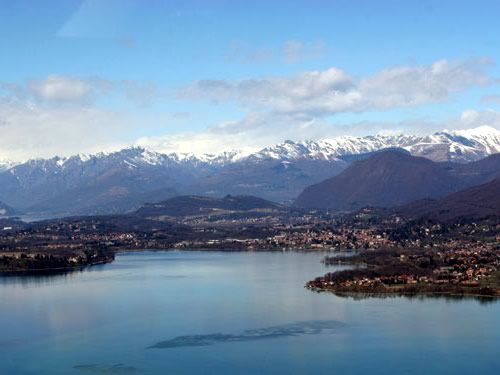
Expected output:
(202, 76)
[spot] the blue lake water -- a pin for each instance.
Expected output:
(232, 313)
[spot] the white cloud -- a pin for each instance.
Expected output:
(62, 115)
(404, 86)
(60, 88)
(255, 131)
(30, 129)
(259, 130)
(332, 91)
(65, 89)
(472, 118)
(469, 116)
(35, 119)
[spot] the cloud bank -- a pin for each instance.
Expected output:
(333, 91)
(257, 131)
(63, 114)
(305, 106)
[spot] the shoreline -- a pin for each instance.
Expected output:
(208, 249)
(400, 293)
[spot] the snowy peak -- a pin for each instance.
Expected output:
(6, 165)
(143, 156)
(486, 138)
(220, 159)
(287, 150)
(458, 146)
(448, 145)
(481, 131)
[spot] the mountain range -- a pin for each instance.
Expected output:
(122, 181)
(457, 146)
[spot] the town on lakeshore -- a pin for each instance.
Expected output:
(411, 224)
(387, 252)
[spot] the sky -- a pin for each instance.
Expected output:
(84, 76)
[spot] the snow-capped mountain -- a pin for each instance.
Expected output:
(112, 182)
(448, 145)
(221, 159)
(122, 180)
(5, 165)
(327, 149)
(458, 146)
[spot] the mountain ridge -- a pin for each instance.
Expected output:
(462, 145)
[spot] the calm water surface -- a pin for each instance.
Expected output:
(232, 313)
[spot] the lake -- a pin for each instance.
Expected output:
(232, 313)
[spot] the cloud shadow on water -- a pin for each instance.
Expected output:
(313, 327)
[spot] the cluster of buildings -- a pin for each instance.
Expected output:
(343, 238)
(467, 266)
(477, 266)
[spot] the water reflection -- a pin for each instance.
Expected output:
(44, 278)
(452, 298)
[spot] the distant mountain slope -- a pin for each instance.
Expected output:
(477, 172)
(93, 184)
(354, 157)
(386, 179)
(192, 205)
(270, 179)
(474, 202)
